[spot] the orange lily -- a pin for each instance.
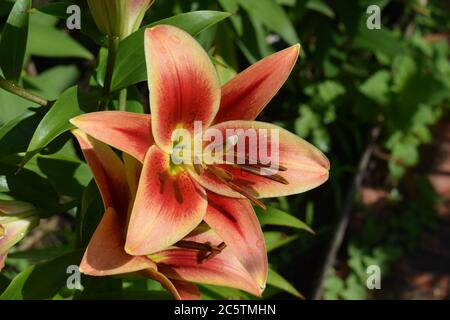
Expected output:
(200, 257)
(172, 200)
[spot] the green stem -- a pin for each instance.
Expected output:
(21, 92)
(113, 43)
(123, 99)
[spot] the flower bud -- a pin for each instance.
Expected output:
(119, 18)
(16, 220)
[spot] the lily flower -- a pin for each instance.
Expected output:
(119, 18)
(200, 257)
(172, 199)
(16, 220)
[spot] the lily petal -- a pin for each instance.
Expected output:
(13, 232)
(108, 171)
(246, 95)
(180, 290)
(235, 221)
(126, 131)
(224, 269)
(183, 83)
(2, 261)
(168, 206)
(307, 167)
(105, 254)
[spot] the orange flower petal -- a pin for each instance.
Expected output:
(223, 269)
(105, 254)
(184, 86)
(126, 131)
(167, 207)
(235, 221)
(246, 95)
(2, 261)
(306, 166)
(108, 171)
(180, 290)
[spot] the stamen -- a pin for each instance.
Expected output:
(226, 178)
(257, 171)
(220, 173)
(199, 169)
(215, 251)
(259, 164)
(247, 194)
(211, 250)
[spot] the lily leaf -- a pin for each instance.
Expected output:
(275, 239)
(130, 62)
(276, 280)
(41, 281)
(56, 121)
(14, 40)
(276, 217)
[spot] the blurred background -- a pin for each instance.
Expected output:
(376, 101)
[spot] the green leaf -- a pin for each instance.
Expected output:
(320, 6)
(57, 9)
(56, 121)
(277, 281)
(273, 17)
(14, 40)
(15, 135)
(210, 292)
(275, 239)
(42, 281)
(377, 86)
(26, 185)
(52, 82)
(130, 65)
(45, 40)
(277, 217)
(377, 40)
(12, 106)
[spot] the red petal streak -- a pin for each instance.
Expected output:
(126, 131)
(224, 269)
(108, 171)
(184, 86)
(246, 95)
(235, 221)
(167, 207)
(105, 254)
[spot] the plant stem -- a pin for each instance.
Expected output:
(21, 92)
(113, 43)
(123, 99)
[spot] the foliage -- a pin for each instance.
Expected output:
(350, 80)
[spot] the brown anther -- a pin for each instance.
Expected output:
(220, 173)
(246, 161)
(247, 194)
(199, 169)
(215, 251)
(260, 172)
(210, 250)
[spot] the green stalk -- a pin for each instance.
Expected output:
(21, 92)
(113, 43)
(123, 99)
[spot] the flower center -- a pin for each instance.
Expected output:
(206, 250)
